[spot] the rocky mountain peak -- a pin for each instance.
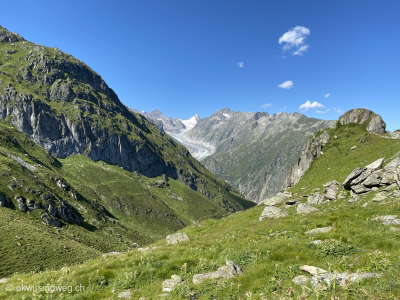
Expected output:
(361, 115)
(9, 37)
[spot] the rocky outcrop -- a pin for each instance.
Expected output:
(322, 281)
(361, 115)
(312, 270)
(177, 238)
(305, 209)
(170, 284)
(363, 180)
(272, 212)
(311, 151)
(231, 269)
(9, 37)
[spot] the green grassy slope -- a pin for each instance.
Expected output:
(269, 251)
(119, 208)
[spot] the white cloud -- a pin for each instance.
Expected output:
(338, 110)
(266, 105)
(322, 111)
(286, 85)
(240, 64)
(308, 105)
(295, 39)
(327, 95)
(284, 108)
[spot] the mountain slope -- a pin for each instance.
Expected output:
(251, 151)
(270, 252)
(73, 157)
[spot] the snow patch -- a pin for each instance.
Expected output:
(227, 116)
(190, 123)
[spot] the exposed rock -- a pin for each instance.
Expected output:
(319, 230)
(305, 209)
(356, 179)
(376, 165)
(47, 220)
(125, 294)
(4, 201)
(324, 138)
(278, 198)
(169, 284)
(312, 270)
(301, 280)
(359, 189)
(332, 188)
(394, 229)
(388, 220)
(293, 201)
(228, 271)
(272, 212)
(355, 173)
(4, 280)
(311, 151)
(316, 199)
(22, 207)
(176, 238)
(321, 281)
(379, 197)
(354, 147)
(372, 180)
(361, 115)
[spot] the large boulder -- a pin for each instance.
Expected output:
(360, 180)
(305, 209)
(361, 115)
(316, 199)
(176, 238)
(321, 281)
(228, 271)
(272, 212)
(319, 230)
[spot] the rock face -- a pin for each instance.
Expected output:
(363, 180)
(176, 238)
(272, 212)
(311, 151)
(228, 271)
(361, 115)
(253, 151)
(67, 108)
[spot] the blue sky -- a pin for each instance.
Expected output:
(187, 57)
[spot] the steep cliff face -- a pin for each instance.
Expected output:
(361, 115)
(313, 148)
(252, 151)
(67, 108)
(311, 151)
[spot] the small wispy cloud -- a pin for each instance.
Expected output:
(327, 95)
(338, 110)
(284, 108)
(308, 105)
(240, 64)
(286, 85)
(266, 105)
(322, 111)
(294, 39)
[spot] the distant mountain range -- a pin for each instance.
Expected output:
(252, 151)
